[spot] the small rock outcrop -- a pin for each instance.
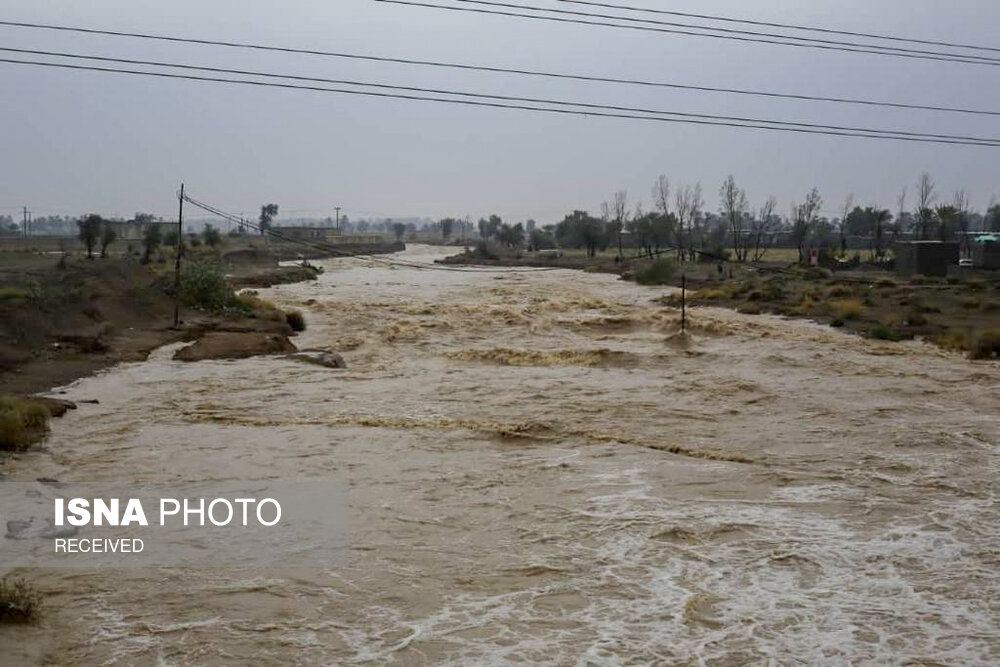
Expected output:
(319, 358)
(235, 346)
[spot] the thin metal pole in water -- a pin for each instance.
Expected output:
(683, 303)
(177, 263)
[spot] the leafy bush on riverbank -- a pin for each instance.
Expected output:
(204, 286)
(660, 272)
(21, 423)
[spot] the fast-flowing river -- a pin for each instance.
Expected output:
(542, 471)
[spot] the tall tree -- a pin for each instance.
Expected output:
(763, 229)
(619, 213)
(267, 214)
(89, 231)
(211, 236)
(846, 211)
(925, 202)
(733, 205)
(447, 228)
(108, 236)
(878, 219)
(963, 219)
(151, 239)
(805, 216)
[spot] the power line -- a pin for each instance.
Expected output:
(501, 70)
(590, 110)
(868, 49)
(505, 98)
(789, 26)
(888, 50)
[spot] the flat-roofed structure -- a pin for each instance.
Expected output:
(925, 258)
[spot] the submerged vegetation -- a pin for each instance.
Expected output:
(19, 601)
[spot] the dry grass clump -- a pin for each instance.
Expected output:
(714, 294)
(19, 602)
(21, 423)
(839, 291)
(847, 309)
(259, 308)
(952, 340)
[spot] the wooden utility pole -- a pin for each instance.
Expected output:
(684, 303)
(338, 218)
(177, 263)
(24, 222)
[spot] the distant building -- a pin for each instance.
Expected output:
(925, 258)
(325, 235)
(135, 231)
(986, 251)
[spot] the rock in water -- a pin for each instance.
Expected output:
(319, 358)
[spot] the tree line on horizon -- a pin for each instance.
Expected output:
(680, 222)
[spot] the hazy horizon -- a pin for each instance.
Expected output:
(116, 144)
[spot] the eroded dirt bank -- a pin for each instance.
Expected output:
(542, 471)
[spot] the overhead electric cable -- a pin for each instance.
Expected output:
(499, 70)
(505, 98)
(585, 110)
(889, 50)
(789, 26)
(870, 49)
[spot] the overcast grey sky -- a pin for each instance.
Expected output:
(75, 142)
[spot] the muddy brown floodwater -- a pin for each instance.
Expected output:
(541, 472)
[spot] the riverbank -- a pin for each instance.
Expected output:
(63, 319)
(961, 314)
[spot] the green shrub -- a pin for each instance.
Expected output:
(13, 294)
(485, 251)
(916, 318)
(203, 286)
(19, 602)
(13, 432)
(21, 423)
(295, 320)
(660, 272)
(977, 285)
(883, 332)
(987, 345)
(971, 303)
